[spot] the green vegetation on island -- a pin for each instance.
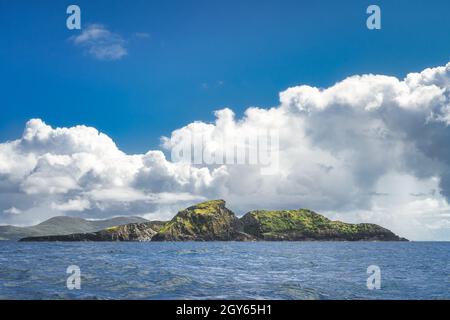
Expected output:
(206, 221)
(305, 224)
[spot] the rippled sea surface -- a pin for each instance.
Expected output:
(225, 270)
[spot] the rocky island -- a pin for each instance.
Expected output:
(212, 221)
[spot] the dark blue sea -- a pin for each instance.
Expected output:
(225, 270)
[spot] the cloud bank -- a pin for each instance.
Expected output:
(370, 148)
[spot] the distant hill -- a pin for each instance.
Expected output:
(143, 231)
(63, 226)
(212, 221)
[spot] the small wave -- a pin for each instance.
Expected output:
(298, 292)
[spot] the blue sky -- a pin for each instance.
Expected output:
(364, 149)
(199, 56)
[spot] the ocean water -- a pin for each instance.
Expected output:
(225, 270)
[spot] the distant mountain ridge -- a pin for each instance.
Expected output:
(63, 225)
(212, 221)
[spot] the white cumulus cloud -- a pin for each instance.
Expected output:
(370, 148)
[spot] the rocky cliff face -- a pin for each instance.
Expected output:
(130, 232)
(212, 221)
(205, 221)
